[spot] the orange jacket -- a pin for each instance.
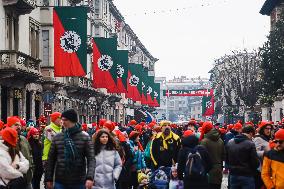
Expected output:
(273, 169)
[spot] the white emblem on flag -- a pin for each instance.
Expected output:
(134, 80)
(149, 90)
(143, 85)
(208, 104)
(105, 63)
(119, 71)
(70, 41)
(156, 94)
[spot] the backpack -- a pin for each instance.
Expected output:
(194, 167)
(161, 178)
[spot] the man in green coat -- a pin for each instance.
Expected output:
(210, 139)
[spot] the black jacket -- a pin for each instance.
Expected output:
(241, 156)
(128, 159)
(189, 144)
(56, 161)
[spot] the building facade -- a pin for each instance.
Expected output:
(28, 86)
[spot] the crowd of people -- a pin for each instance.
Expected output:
(106, 155)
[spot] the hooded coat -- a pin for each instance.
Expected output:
(190, 144)
(241, 156)
(7, 171)
(107, 169)
(215, 147)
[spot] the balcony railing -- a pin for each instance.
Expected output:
(20, 6)
(14, 60)
(81, 82)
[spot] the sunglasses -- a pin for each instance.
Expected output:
(268, 128)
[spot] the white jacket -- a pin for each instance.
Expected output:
(7, 172)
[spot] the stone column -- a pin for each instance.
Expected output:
(265, 113)
(0, 102)
(273, 109)
(278, 105)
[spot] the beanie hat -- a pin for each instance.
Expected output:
(54, 116)
(133, 135)
(12, 121)
(192, 122)
(120, 135)
(10, 136)
(33, 131)
(151, 125)
(94, 124)
(222, 130)
(188, 133)
(102, 122)
(84, 127)
(23, 122)
(206, 127)
(139, 128)
(263, 124)
(142, 123)
(71, 115)
(109, 125)
(165, 123)
(133, 122)
(249, 123)
(238, 126)
(279, 135)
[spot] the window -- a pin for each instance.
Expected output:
(12, 31)
(34, 38)
(45, 47)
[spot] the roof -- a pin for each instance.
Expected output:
(268, 6)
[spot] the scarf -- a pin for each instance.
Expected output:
(70, 150)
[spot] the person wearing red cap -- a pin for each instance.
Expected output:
(138, 157)
(261, 141)
(272, 172)
(12, 162)
(108, 125)
(211, 140)
(15, 123)
(131, 126)
(34, 141)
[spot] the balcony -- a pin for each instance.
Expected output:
(20, 6)
(80, 87)
(19, 65)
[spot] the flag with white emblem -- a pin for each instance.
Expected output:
(121, 72)
(134, 82)
(70, 41)
(105, 63)
(207, 106)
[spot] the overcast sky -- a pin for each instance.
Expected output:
(187, 35)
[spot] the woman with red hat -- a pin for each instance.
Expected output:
(261, 142)
(12, 162)
(35, 143)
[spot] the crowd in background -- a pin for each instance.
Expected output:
(66, 154)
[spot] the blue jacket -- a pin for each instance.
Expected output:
(139, 159)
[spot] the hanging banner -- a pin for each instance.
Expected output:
(199, 92)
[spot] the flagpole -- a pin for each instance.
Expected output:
(167, 96)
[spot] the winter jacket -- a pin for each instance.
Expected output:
(107, 169)
(262, 145)
(37, 154)
(164, 150)
(24, 147)
(49, 132)
(128, 162)
(241, 156)
(215, 147)
(190, 144)
(7, 172)
(273, 169)
(56, 160)
(138, 156)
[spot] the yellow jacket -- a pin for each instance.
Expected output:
(273, 170)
